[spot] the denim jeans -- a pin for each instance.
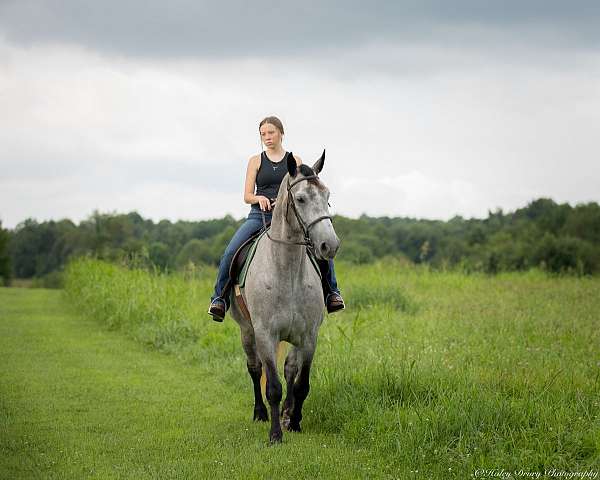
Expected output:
(252, 225)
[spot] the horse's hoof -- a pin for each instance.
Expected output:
(293, 427)
(289, 424)
(261, 415)
(275, 438)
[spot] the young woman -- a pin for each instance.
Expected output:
(265, 172)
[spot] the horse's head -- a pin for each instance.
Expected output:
(308, 196)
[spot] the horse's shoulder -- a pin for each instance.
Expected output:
(257, 259)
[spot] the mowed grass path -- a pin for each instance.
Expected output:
(79, 401)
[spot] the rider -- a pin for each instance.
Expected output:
(266, 171)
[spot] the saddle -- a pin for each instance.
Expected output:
(240, 263)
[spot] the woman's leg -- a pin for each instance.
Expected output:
(328, 279)
(331, 292)
(331, 279)
(246, 230)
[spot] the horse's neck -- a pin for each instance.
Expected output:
(286, 255)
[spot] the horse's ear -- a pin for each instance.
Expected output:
(318, 166)
(292, 165)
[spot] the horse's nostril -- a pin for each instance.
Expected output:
(324, 248)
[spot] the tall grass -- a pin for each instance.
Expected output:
(167, 312)
(439, 372)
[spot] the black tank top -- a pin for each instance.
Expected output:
(269, 176)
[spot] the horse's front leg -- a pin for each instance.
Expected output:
(267, 347)
(290, 372)
(255, 370)
(300, 389)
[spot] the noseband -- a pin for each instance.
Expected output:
(305, 227)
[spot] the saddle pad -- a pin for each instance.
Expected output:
(241, 280)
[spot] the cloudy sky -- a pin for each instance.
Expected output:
(427, 108)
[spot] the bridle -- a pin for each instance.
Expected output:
(305, 227)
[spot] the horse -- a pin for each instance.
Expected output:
(284, 297)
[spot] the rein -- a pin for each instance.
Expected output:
(305, 228)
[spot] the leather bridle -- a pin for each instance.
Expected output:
(305, 227)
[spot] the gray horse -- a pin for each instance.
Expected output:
(284, 295)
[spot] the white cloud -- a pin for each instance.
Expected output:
(424, 137)
(432, 197)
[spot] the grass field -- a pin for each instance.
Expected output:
(426, 375)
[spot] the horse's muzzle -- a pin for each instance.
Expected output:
(328, 249)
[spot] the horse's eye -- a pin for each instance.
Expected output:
(300, 199)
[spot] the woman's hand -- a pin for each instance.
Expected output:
(264, 203)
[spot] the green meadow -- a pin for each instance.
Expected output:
(427, 374)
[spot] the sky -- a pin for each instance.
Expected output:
(426, 109)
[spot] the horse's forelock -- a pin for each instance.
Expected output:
(307, 172)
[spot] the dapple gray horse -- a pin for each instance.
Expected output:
(284, 296)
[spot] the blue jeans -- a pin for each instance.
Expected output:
(252, 225)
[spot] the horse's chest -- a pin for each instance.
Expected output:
(295, 327)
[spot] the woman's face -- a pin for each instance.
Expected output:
(270, 135)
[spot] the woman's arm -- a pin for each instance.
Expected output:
(251, 172)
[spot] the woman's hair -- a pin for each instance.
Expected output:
(273, 121)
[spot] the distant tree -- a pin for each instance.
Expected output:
(195, 251)
(5, 264)
(476, 235)
(159, 255)
(492, 264)
(495, 220)
(584, 222)
(557, 236)
(566, 255)
(28, 245)
(355, 253)
(546, 214)
(452, 250)
(542, 207)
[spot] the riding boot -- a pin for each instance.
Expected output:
(219, 305)
(333, 298)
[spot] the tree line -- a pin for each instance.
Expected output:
(555, 237)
